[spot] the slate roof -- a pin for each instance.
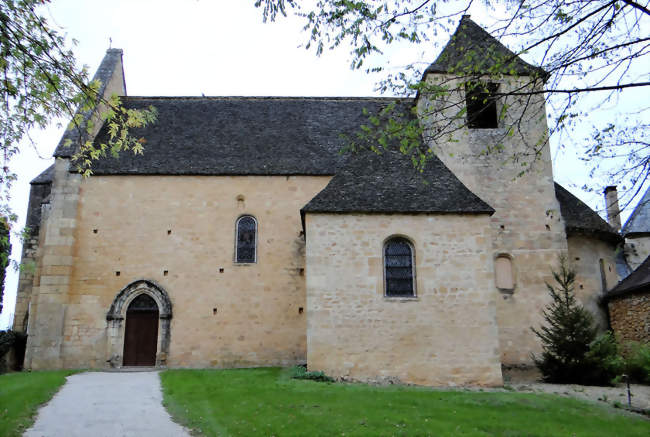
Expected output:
(103, 74)
(637, 281)
(45, 177)
(639, 220)
(389, 183)
(243, 135)
(580, 219)
(473, 50)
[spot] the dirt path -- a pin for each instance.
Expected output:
(98, 404)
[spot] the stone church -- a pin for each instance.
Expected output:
(243, 237)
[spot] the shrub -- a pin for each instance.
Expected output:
(603, 360)
(7, 339)
(301, 372)
(637, 363)
(11, 340)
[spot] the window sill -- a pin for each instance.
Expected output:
(401, 298)
(244, 264)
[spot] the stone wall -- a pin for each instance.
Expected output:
(630, 316)
(179, 231)
(447, 335)
(47, 297)
(37, 195)
(513, 174)
(586, 255)
(55, 260)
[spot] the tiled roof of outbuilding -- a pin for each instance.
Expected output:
(579, 218)
(638, 280)
(639, 220)
(388, 183)
(473, 50)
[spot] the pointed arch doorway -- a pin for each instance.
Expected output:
(132, 310)
(141, 332)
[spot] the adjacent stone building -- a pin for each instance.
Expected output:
(243, 237)
(629, 305)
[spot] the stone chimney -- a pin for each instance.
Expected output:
(613, 211)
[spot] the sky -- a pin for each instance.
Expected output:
(215, 48)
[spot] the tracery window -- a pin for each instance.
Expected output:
(246, 240)
(399, 270)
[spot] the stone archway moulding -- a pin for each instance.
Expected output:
(116, 316)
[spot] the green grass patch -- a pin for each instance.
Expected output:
(22, 393)
(269, 402)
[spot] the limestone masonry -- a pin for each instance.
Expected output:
(243, 237)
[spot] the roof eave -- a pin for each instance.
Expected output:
(609, 237)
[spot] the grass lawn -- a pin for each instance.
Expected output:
(267, 402)
(22, 393)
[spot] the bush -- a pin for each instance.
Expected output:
(11, 340)
(637, 363)
(603, 360)
(7, 339)
(300, 372)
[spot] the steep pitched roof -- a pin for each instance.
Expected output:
(387, 183)
(243, 135)
(580, 219)
(637, 281)
(639, 220)
(111, 60)
(473, 50)
(289, 136)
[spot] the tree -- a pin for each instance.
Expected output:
(568, 331)
(5, 252)
(590, 53)
(572, 351)
(40, 82)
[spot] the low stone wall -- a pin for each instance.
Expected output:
(630, 317)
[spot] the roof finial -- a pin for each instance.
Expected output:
(466, 17)
(110, 42)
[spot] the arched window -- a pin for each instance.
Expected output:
(246, 239)
(399, 270)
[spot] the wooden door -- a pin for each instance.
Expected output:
(141, 332)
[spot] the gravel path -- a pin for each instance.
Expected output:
(529, 381)
(611, 395)
(101, 404)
